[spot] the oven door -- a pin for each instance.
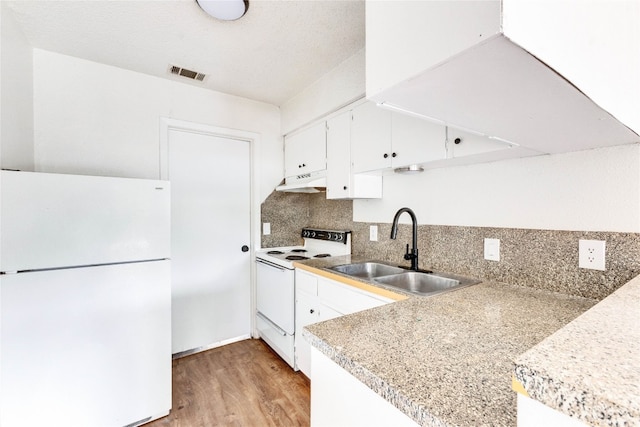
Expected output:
(275, 294)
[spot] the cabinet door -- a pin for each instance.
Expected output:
(416, 141)
(346, 299)
(339, 156)
(341, 182)
(306, 282)
(327, 313)
(307, 313)
(461, 144)
(305, 151)
(370, 138)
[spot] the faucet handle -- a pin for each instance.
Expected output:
(410, 255)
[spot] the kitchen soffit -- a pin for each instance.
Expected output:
(277, 49)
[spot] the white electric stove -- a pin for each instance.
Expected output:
(276, 285)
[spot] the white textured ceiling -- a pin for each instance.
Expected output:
(278, 48)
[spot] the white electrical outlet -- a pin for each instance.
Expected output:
(373, 233)
(266, 228)
(591, 254)
(492, 249)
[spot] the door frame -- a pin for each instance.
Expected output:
(168, 124)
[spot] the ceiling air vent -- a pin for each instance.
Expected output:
(193, 75)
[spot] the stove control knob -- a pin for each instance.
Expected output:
(305, 233)
(339, 237)
(313, 234)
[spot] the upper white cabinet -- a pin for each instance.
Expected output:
(342, 183)
(305, 151)
(451, 61)
(416, 141)
(382, 140)
(462, 144)
(370, 138)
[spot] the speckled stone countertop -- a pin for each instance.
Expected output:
(445, 360)
(590, 369)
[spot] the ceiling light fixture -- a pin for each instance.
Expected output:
(226, 10)
(409, 169)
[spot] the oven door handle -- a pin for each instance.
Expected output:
(277, 328)
(270, 264)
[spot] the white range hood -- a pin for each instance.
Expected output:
(314, 182)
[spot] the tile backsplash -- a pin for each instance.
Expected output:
(288, 213)
(542, 259)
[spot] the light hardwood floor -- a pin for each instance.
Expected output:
(240, 384)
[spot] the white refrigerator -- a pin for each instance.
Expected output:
(85, 300)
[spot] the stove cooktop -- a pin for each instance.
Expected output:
(318, 244)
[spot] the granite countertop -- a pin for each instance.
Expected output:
(445, 360)
(590, 369)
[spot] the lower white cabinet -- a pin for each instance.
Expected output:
(309, 310)
(319, 299)
(339, 399)
(532, 413)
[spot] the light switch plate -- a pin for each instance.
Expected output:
(266, 228)
(591, 254)
(373, 233)
(492, 249)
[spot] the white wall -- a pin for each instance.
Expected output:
(594, 44)
(593, 190)
(337, 88)
(16, 95)
(96, 119)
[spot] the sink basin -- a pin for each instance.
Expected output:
(423, 283)
(368, 270)
(415, 282)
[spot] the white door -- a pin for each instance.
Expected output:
(210, 223)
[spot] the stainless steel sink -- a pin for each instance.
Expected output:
(423, 283)
(415, 282)
(368, 270)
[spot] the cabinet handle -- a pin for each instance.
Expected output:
(385, 155)
(393, 154)
(311, 311)
(344, 188)
(457, 141)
